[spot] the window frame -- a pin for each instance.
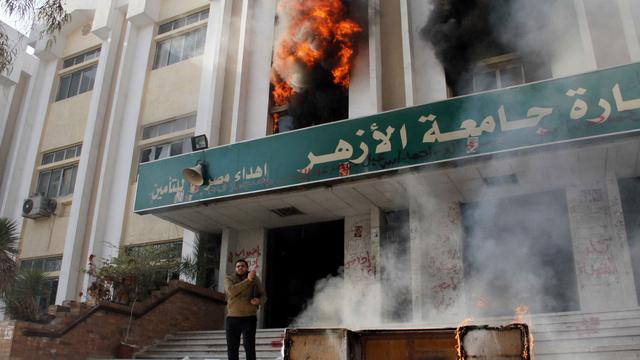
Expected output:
(497, 65)
(180, 129)
(49, 166)
(188, 34)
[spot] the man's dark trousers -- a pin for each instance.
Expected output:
(245, 325)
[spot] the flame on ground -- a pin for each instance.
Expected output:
(317, 30)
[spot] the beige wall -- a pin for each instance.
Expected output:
(44, 236)
(140, 229)
(66, 121)
(171, 8)
(172, 91)
(393, 95)
(77, 42)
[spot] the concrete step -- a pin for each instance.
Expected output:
(212, 345)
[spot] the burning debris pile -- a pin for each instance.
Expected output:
(311, 63)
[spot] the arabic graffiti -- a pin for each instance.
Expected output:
(252, 255)
(359, 266)
(574, 108)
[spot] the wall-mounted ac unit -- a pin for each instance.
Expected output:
(38, 206)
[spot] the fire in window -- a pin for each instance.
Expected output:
(312, 59)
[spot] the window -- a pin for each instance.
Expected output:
(49, 264)
(167, 251)
(183, 123)
(183, 21)
(79, 59)
(49, 296)
(59, 181)
(77, 82)
(498, 73)
(181, 47)
(59, 155)
(167, 149)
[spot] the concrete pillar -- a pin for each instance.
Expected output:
(120, 142)
(252, 78)
(600, 247)
(365, 95)
(22, 158)
(211, 92)
(424, 75)
(214, 61)
(585, 36)
(79, 221)
(629, 27)
(436, 258)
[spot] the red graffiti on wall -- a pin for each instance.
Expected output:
(444, 294)
(589, 325)
(251, 255)
(361, 262)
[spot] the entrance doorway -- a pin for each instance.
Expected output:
(297, 257)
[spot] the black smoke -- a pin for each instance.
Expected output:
(463, 32)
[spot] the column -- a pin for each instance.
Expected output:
(365, 95)
(629, 28)
(424, 75)
(73, 257)
(120, 143)
(600, 247)
(436, 257)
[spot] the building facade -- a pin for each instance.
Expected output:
(478, 226)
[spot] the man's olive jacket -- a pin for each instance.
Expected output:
(239, 293)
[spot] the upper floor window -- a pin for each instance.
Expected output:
(167, 127)
(58, 181)
(180, 47)
(166, 149)
(59, 155)
(76, 82)
(80, 80)
(183, 21)
(79, 59)
(497, 73)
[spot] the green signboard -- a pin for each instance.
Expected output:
(577, 107)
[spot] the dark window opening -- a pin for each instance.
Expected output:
(395, 267)
(630, 197)
(483, 46)
(518, 251)
(297, 257)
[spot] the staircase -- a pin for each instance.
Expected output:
(210, 345)
(561, 336)
(587, 336)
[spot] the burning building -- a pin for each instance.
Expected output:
(450, 159)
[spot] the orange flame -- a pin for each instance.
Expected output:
(521, 312)
(315, 28)
(464, 323)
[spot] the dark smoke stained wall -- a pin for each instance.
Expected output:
(465, 32)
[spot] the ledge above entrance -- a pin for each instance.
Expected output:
(576, 108)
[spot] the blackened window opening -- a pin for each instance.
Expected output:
(517, 251)
(630, 197)
(468, 35)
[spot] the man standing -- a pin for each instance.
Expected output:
(244, 295)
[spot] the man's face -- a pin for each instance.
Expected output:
(241, 268)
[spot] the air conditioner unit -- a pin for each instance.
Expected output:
(38, 206)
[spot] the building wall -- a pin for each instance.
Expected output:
(395, 68)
